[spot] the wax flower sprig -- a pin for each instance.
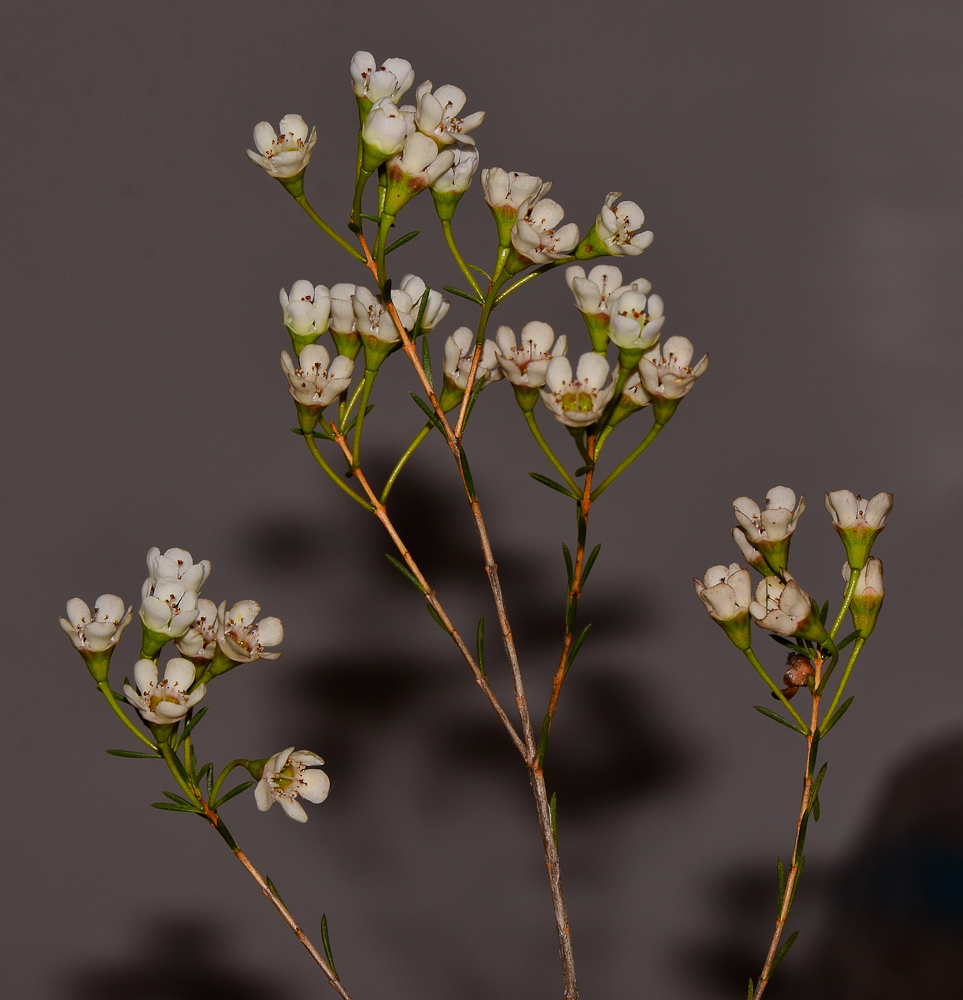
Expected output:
(799, 624)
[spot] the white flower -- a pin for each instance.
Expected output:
(528, 364)
(595, 292)
(388, 81)
(407, 297)
(98, 630)
(342, 307)
(241, 639)
(418, 166)
(615, 225)
(665, 371)
(459, 348)
(777, 522)
(751, 554)
(306, 309)
(167, 701)
(385, 130)
(535, 237)
(504, 189)
(435, 114)
(168, 607)
(286, 775)
(313, 384)
(783, 608)
(199, 642)
(580, 401)
(371, 318)
(727, 591)
(849, 510)
(636, 319)
(179, 565)
(457, 177)
(286, 153)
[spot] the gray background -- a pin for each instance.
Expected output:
(799, 165)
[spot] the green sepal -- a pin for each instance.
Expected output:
(545, 481)
(405, 572)
(434, 614)
(783, 951)
(465, 295)
(836, 716)
(576, 646)
(778, 718)
(480, 645)
(135, 753)
(242, 787)
(402, 240)
(326, 944)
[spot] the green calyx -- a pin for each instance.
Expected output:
(98, 663)
(293, 185)
(598, 328)
(299, 342)
(348, 344)
(664, 410)
(446, 202)
(865, 610)
(152, 643)
(858, 541)
(376, 351)
(526, 396)
(738, 629)
(592, 247)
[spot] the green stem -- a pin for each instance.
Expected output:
(850, 590)
(601, 441)
(359, 187)
(317, 220)
(760, 670)
(857, 649)
(549, 454)
(180, 776)
(544, 269)
(627, 461)
(369, 376)
(462, 266)
(379, 251)
(313, 448)
(222, 777)
(345, 413)
(104, 689)
(400, 464)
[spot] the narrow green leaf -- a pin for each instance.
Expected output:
(836, 716)
(464, 295)
(174, 807)
(582, 469)
(779, 718)
(576, 646)
(427, 410)
(481, 270)
(120, 696)
(386, 290)
(849, 638)
(801, 839)
(179, 798)
(472, 399)
(134, 753)
(402, 240)
(466, 472)
(569, 569)
(206, 774)
(480, 645)
(783, 951)
(823, 611)
(815, 808)
(553, 813)
(783, 641)
(192, 762)
(326, 943)
(780, 886)
(813, 752)
(274, 889)
(416, 329)
(192, 722)
(545, 481)
(373, 218)
(814, 791)
(405, 572)
(799, 870)
(589, 563)
(434, 614)
(752, 992)
(242, 787)
(543, 740)
(426, 364)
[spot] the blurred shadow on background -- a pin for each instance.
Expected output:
(893, 924)
(184, 960)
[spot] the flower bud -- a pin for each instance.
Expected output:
(867, 597)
